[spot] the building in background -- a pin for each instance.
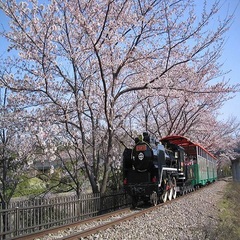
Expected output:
(236, 170)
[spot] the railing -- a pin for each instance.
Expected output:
(26, 217)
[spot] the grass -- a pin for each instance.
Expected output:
(29, 187)
(229, 225)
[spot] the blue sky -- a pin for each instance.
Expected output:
(230, 56)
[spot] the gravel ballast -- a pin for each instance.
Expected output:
(192, 217)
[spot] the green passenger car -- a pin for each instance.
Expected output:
(205, 167)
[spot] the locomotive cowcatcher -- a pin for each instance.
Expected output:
(153, 172)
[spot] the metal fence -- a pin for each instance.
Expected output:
(26, 217)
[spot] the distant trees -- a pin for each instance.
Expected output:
(93, 70)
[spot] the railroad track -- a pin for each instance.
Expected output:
(107, 223)
(67, 227)
(94, 225)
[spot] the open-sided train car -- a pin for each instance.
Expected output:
(157, 171)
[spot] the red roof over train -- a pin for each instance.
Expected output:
(185, 143)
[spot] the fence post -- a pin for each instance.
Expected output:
(79, 209)
(16, 221)
(101, 203)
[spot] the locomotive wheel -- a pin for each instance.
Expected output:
(174, 193)
(170, 194)
(164, 197)
(174, 188)
(154, 199)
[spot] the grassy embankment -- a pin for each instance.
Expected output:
(229, 225)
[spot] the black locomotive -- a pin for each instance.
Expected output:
(155, 171)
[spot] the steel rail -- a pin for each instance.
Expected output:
(104, 226)
(71, 225)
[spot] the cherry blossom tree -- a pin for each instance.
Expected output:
(179, 112)
(86, 65)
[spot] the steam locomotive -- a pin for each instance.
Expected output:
(157, 171)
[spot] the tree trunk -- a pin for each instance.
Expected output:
(108, 160)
